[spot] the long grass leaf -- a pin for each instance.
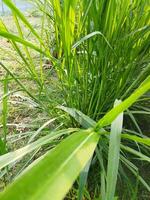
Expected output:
(18, 13)
(14, 156)
(46, 178)
(112, 114)
(81, 118)
(15, 38)
(114, 155)
(83, 180)
(136, 153)
(135, 138)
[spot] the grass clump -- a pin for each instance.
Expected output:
(103, 49)
(96, 52)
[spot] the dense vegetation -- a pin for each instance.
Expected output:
(88, 60)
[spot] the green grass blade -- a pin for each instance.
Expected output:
(140, 77)
(2, 147)
(136, 153)
(19, 83)
(100, 158)
(83, 179)
(133, 119)
(18, 154)
(15, 38)
(135, 138)
(134, 171)
(45, 180)
(113, 155)
(40, 129)
(17, 12)
(5, 112)
(90, 36)
(112, 114)
(81, 118)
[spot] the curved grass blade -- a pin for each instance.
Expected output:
(133, 119)
(89, 36)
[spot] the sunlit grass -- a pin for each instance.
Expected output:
(96, 53)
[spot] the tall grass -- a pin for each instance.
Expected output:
(101, 54)
(103, 47)
(54, 174)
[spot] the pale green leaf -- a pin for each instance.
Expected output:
(114, 155)
(51, 178)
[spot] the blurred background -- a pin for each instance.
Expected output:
(23, 5)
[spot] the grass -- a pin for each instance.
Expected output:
(24, 116)
(79, 143)
(96, 53)
(96, 62)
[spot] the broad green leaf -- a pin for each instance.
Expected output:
(114, 155)
(85, 122)
(52, 178)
